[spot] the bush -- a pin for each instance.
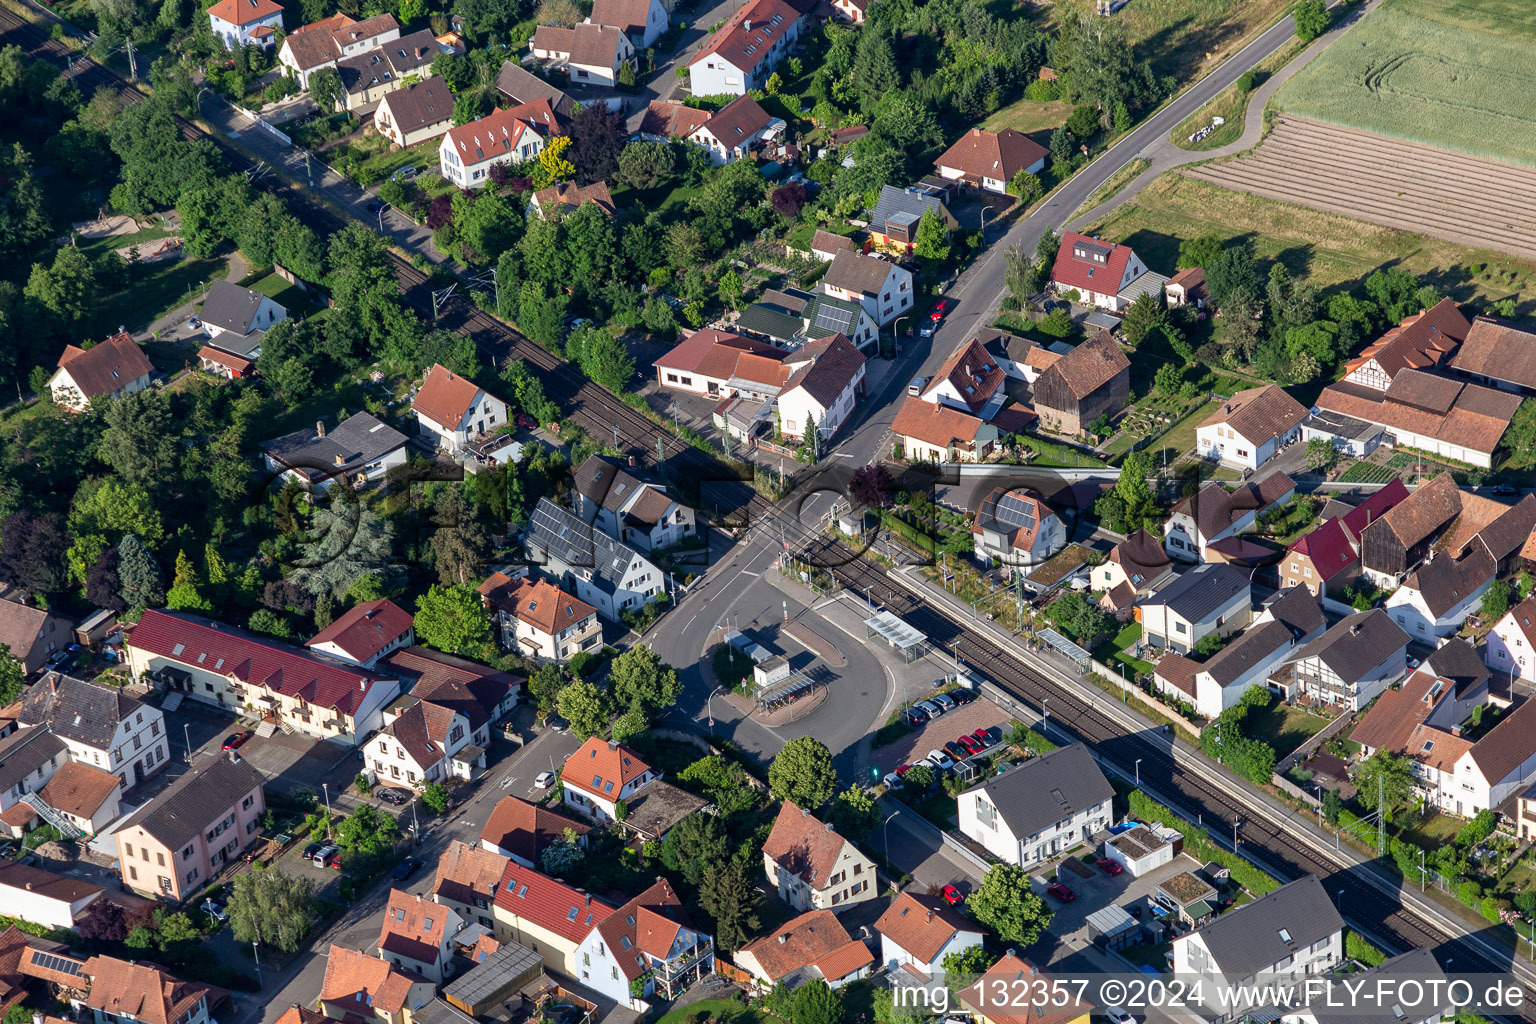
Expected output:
(1469, 893)
(1358, 947)
(1246, 82)
(1042, 91)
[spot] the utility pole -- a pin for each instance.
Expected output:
(1381, 824)
(615, 436)
(133, 71)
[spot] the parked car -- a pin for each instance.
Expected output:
(1506, 490)
(986, 737)
(941, 760)
(1117, 1015)
(916, 387)
(941, 309)
(330, 857)
(934, 710)
(971, 744)
(915, 716)
(194, 322)
(944, 701)
(952, 895)
(961, 696)
(405, 174)
(394, 796)
(375, 206)
(559, 724)
(406, 868)
(1110, 867)
(901, 770)
(892, 780)
(525, 421)
(1061, 892)
(312, 849)
(544, 779)
(235, 739)
(955, 750)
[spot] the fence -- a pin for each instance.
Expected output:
(1188, 728)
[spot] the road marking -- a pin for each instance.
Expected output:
(689, 622)
(746, 573)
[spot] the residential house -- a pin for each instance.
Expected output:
(1438, 697)
(813, 945)
(1422, 342)
(1251, 427)
(646, 949)
(1351, 663)
(851, 11)
(422, 743)
(1209, 600)
(664, 121)
(1436, 598)
(1463, 777)
(643, 21)
(454, 411)
(359, 450)
(988, 161)
(417, 935)
(85, 796)
(812, 866)
(123, 991)
(523, 87)
(590, 54)
(546, 915)
(323, 44)
(1214, 513)
(1445, 417)
(33, 635)
(237, 319)
(219, 664)
(365, 633)
(608, 575)
(567, 197)
(744, 51)
(1329, 555)
(640, 514)
(110, 369)
(481, 695)
(970, 380)
(1091, 381)
(919, 930)
(1187, 288)
(1512, 641)
(1415, 970)
(882, 286)
(469, 151)
(1134, 568)
(1399, 538)
(929, 432)
(1020, 358)
(359, 987)
(28, 760)
(238, 23)
(1016, 527)
(415, 113)
(1290, 620)
(1499, 354)
(825, 245)
(44, 898)
(520, 830)
(896, 214)
(735, 130)
(100, 725)
(1105, 274)
(722, 365)
(1290, 933)
(539, 620)
(178, 842)
(791, 318)
(368, 77)
(1015, 974)
(616, 772)
(825, 379)
(1040, 808)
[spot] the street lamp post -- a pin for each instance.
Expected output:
(885, 834)
(326, 786)
(868, 600)
(187, 734)
(382, 208)
(710, 708)
(954, 649)
(1138, 771)
(257, 954)
(1235, 823)
(1045, 717)
(984, 211)
(896, 328)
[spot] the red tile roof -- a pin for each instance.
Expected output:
(1070, 271)
(938, 425)
(1420, 342)
(445, 397)
(497, 134)
(1374, 507)
(1259, 414)
(672, 120)
(717, 347)
(523, 829)
(816, 939)
(141, 991)
(225, 650)
(746, 47)
(567, 911)
(474, 691)
(414, 928)
(1010, 974)
(647, 925)
(541, 604)
(922, 924)
(243, 12)
(108, 366)
(226, 359)
(1396, 713)
(79, 789)
(365, 629)
(603, 768)
(973, 373)
(997, 155)
(1328, 548)
(355, 982)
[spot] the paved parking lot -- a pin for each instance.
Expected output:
(980, 714)
(1071, 919)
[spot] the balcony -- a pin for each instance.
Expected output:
(677, 974)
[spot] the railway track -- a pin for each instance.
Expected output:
(597, 411)
(1278, 851)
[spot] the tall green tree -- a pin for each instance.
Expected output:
(139, 575)
(186, 593)
(730, 896)
(272, 908)
(1385, 775)
(930, 242)
(587, 707)
(1006, 903)
(640, 678)
(453, 620)
(802, 772)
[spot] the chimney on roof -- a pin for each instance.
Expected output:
(613, 744)
(319, 428)
(828, 826)
(1354, 629)
(783, 938)
(29, 887)
(341, 460)
(930, 914)
(748, 26)
(37, 1017)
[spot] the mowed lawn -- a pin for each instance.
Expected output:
(1326, 249)
(1453, 73)
(1176, 35)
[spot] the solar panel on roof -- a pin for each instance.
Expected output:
(834, 319)
(57, 963)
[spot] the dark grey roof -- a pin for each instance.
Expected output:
(230, 307)
(895, 201)
(522, 86)
(359, 440)
(1046, 789)
(87, 713)
(827, 315)
(1248, 650)
(1198, 593)
(365, 70)
(567, 541)
(1002, 345)
(769, 322)
(1356, 644)
(1271, 928)
(1298, 610)
(411, 52)
(195, 801)
(1458, 662)
(23, 752)
(600, 480)
(1418, 964)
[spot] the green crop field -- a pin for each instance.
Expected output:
(1452, 73)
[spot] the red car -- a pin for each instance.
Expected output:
(525, 421)
(234, 739)
(940, 310)
(971, 745)
(1108, 866)
(952, 895)
(902, 769)
(984, 737)
(1061, 892)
